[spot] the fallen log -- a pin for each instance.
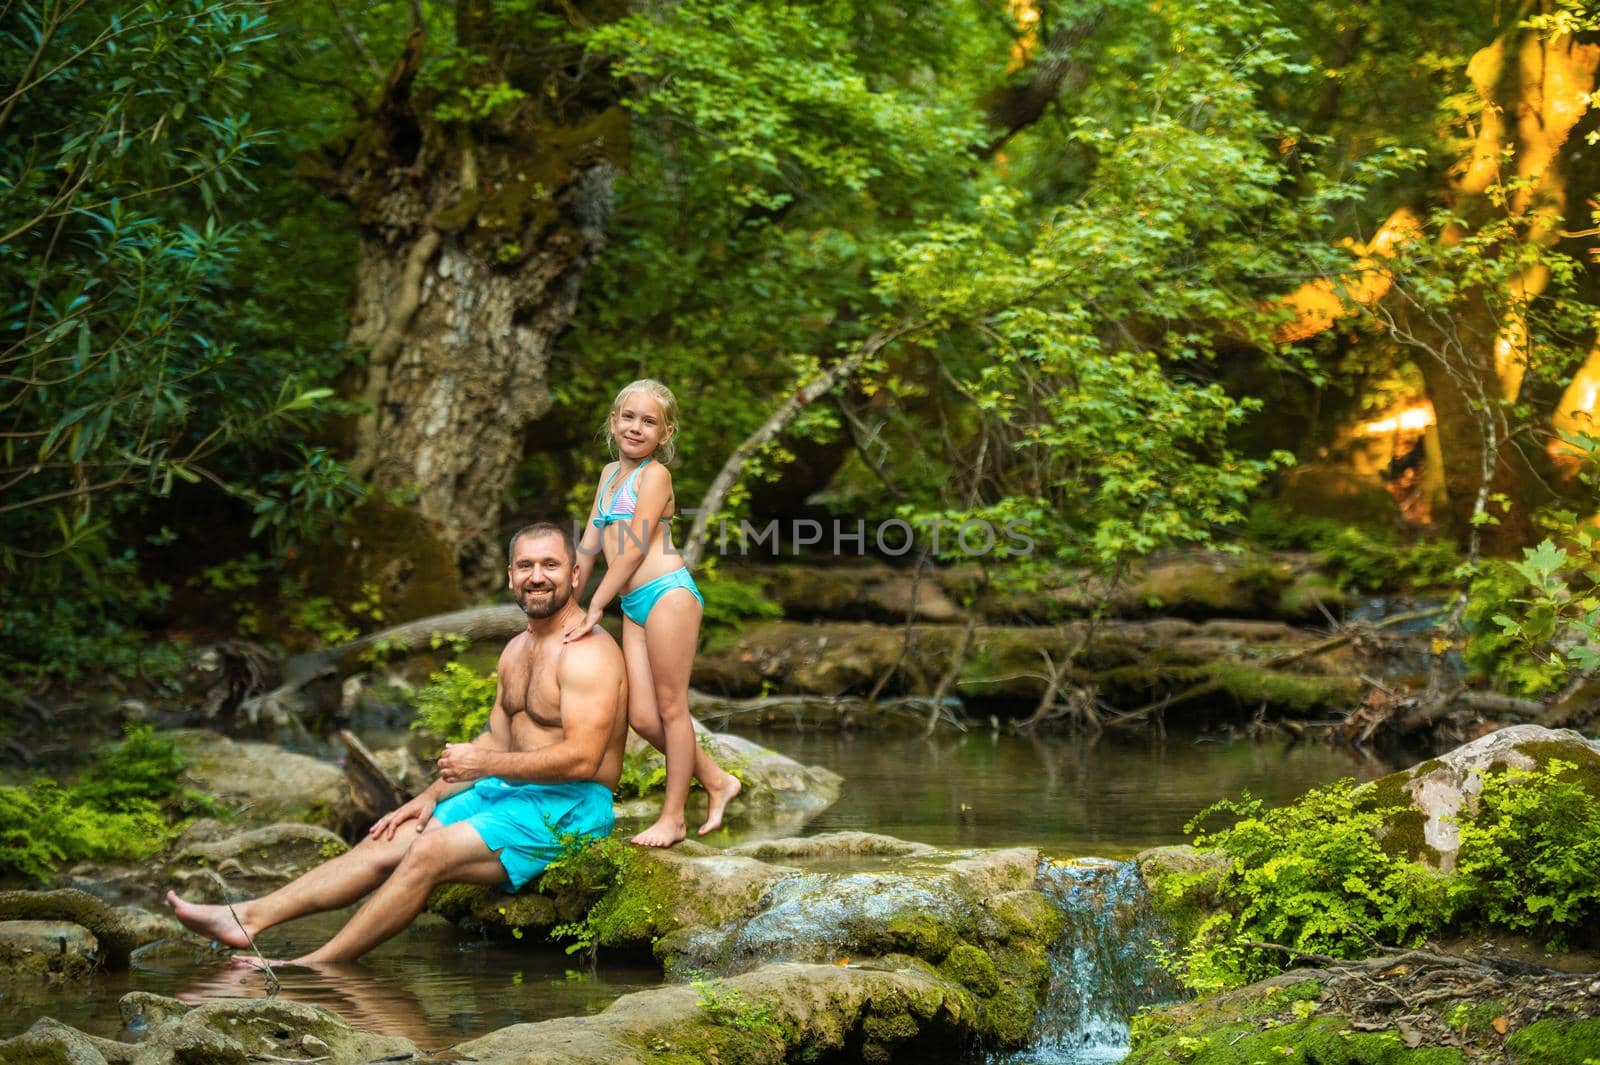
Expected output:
(473, 624)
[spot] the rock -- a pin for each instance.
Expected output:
(1191, 584)
(263, 783)
(1183, 883)
(116, 935)
(1441, 790)
(777, 790)
(146, 927)
(49, 1042)
(864, 591)
(778, 1013)
(254, 861)
(250, 1030)
(142, 1010)
(833, 845)
(33, 948)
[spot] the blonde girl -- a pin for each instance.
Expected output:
(661, 606)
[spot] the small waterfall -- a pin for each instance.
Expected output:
(1103, 968)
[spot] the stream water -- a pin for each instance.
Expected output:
(1108, 799)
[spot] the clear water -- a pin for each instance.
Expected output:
(437, 985)
(1109, 798)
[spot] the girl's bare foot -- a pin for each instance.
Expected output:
(664, 833)
(213, 922)
(718, 799)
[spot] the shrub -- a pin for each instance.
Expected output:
(455, 703)
(1530, 858)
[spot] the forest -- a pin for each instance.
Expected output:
(1092, 410)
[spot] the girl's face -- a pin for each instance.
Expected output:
(638, 427)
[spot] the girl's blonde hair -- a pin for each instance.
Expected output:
(669, 416)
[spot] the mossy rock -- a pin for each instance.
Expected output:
(1433, 796)
(1184, 883)
(390, 549)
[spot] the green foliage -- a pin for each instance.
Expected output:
(1530, 857)
(1364, 558)
(1313, 875)
(140, 770)
(1500, 652)
(586, 868)
(643, 773)
(729, 1006)
(1331, 874)
(455, 703)
(95, 633)
(113, 265)
(730, 601)
(1536, 621)
(114, 812)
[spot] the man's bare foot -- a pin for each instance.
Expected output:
(213, 922)
(719, 798)
(664, 833)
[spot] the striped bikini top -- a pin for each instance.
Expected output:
(624, 502)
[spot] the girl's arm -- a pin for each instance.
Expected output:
(654, 493)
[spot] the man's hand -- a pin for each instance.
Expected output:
(462, 762)
(584, 627)
(419, 809)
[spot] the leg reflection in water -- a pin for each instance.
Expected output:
(375, 1003)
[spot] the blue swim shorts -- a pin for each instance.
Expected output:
(637, 604)
(526, 822)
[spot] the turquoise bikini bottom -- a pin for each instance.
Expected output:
(637, 604)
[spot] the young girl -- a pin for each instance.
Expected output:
(661, 606)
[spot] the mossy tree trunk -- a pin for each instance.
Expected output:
(480, 205)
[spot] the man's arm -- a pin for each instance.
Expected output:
(589, 676)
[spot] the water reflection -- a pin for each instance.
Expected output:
(1110, 796)
(366, 999)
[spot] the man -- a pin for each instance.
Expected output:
(502, 803)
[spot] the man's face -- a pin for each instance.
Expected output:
(541, 575)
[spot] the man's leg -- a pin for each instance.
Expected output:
(335, 883)
(455, 854)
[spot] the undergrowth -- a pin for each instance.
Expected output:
(127, 806)
(1333, 874)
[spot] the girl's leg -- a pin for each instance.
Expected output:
(669, 642)
(644, 714)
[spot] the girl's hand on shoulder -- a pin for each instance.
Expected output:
(583, 628)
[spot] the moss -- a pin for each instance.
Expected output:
(1315, 1041)
(1553, 1042)
(1296, 692)
(1008, 1016)
(1587, 772)
(919, 933)
(1026, 915)
(971, 967)
(393, 549)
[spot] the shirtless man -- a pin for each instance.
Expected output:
(502, 803)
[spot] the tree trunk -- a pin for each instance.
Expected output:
(1534, 89)
(477, 224)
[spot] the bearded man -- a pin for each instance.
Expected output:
(503, 805)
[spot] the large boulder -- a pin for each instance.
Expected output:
(261, 783)
(892, 1011)
(1439, 792)
(209, 865)
(777, 790)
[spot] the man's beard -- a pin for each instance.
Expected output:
(558, 599)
